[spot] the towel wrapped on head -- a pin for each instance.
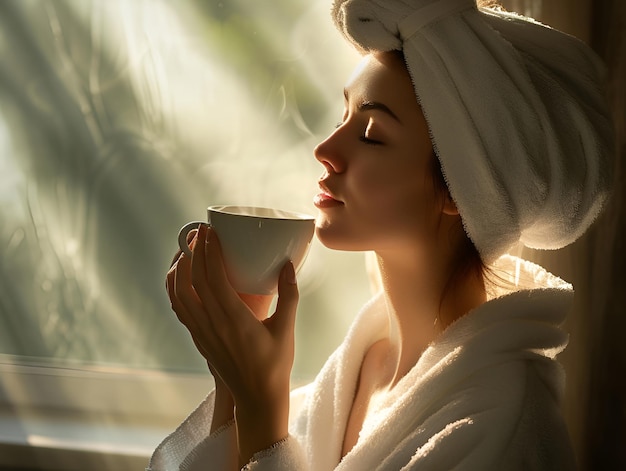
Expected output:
(516, 111)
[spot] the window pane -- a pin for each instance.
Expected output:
(122, 120)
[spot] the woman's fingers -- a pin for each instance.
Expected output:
(252, 358)
(217, 278)
(282, 321)
(199, 278)
(182, 314)
(190, 237)
(199, 318)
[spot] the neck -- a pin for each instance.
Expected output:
(420, 304)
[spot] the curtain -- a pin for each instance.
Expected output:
(595, 360)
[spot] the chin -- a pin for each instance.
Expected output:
(335, 239)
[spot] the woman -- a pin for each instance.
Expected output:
(452, 365)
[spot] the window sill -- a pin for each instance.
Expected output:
(65, 445)
(61, 418)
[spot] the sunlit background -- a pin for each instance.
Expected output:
(121, 120)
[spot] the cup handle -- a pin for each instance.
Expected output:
(184, 231)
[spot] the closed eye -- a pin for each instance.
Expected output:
(372, 142)
(363, 138)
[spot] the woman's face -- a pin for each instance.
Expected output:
(377, 191)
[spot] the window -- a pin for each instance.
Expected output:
(119, 122)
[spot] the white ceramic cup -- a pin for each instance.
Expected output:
(256, 243)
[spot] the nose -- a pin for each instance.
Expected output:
(330, 153)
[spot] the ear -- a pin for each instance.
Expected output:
(449, 206)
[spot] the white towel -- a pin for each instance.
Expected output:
(516, 111)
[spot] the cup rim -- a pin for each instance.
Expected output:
(288, 215)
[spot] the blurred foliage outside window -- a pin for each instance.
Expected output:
(120, 120)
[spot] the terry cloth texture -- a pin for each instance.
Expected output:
(516, 111)
(484, 396)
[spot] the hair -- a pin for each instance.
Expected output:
(467, 260)
(467, 256)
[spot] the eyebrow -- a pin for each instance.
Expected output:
(367, 105)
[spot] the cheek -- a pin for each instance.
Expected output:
(404, 206)
(403, 193)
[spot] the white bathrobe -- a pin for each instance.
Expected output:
(484, 396)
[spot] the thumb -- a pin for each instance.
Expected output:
(283, 320)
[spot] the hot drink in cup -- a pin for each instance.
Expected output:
(256, 243)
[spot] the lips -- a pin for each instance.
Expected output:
(326, 199)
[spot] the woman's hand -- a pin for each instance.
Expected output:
(223, 409)
(252, 356)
